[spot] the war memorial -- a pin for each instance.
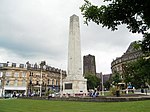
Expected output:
(74, 84)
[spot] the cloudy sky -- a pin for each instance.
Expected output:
(36, 30)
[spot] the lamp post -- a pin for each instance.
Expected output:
(41, 83)
(61, 83)
(41, 78)
(3, 84)
(30, 83)
(102, 85)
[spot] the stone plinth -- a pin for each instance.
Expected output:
(78, 87)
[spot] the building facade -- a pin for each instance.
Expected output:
(89, 66)
(28, 79)
(130, 55)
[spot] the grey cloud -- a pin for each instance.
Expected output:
(29, 32)
(38, 30)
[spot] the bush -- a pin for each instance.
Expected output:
(113, 90)
(49, 92)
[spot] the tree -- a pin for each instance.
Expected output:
(116, 78)
(145, 45)
(92, 81)
(133, 13)
(107, 84)
(137, 72)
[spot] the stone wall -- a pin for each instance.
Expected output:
(90, 99)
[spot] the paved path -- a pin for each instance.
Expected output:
(142, 93)
(138, 91)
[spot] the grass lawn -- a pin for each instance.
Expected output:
(26, 105)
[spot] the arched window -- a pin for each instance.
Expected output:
(48, 82)
(56, 82)
(53, 82)
(37, 82)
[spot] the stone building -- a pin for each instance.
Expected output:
(26, 79)
(89, 65)
(106, 77)
(131, 54)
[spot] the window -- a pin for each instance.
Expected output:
(8, 73)
(0, 82)
(37, 82)
(16, 82)
(9, 64)
(53, 82)
(7, 82)
(56, 82)
(21, 65)
(16, 74)
(48, 82)
(13, 64)
(30, 82)
(23, 74)
(1, 64)
(23, 82)
(1, 74)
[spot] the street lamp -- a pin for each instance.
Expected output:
(102, 85)
(30, 83)
(61, 83)
(2, 84)
(41, 66)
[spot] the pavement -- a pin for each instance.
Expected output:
(142, 93)
(138, 91)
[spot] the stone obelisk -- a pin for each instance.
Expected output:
(74, 84)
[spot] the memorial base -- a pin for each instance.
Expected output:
(74, 88)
